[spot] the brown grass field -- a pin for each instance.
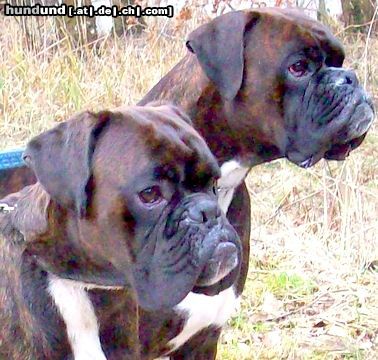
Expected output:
(312, 290)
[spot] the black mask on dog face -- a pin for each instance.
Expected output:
(327, 112)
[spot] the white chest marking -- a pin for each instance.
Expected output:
(203, 311)
(78, 314)
(232, 175)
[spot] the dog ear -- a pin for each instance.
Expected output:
(219, 47)
(61, 159)
(26, 212)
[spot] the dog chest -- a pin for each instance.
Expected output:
(77, 311)
(232, 174)
(202, 311)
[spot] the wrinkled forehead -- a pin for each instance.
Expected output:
(145, 138)
(291, 28)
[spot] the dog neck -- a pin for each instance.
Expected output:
(187, 86)
(52, 299)
(53, 237)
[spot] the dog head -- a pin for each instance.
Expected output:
(128, 199)
(281, 81)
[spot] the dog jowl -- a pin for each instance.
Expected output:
(124, 200)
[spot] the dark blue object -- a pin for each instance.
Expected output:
(11, 159)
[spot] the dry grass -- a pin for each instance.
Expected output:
(312, 288)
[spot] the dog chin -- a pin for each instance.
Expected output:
(340, 152)
(303, 161)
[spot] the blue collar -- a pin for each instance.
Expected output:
(11, 159)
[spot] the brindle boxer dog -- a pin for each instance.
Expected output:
(125, 202)
(259, 85)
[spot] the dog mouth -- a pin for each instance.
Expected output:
(219, 252)
(301, 160)
(186, 251)
(223, 260)
(307, 163)
(360, 122)
(341, 136)
(340, 152)
(355, 133)
(165, 280)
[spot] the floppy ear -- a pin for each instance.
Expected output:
(27, 212)
(61, 159)
(219, 47)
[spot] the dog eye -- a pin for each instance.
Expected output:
(151, 195)
(299, 68)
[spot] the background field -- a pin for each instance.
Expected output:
(312, 290)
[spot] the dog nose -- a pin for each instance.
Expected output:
(205, 210)
(345, 77)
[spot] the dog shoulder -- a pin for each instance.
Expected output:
(15, 320)
(17, 325)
